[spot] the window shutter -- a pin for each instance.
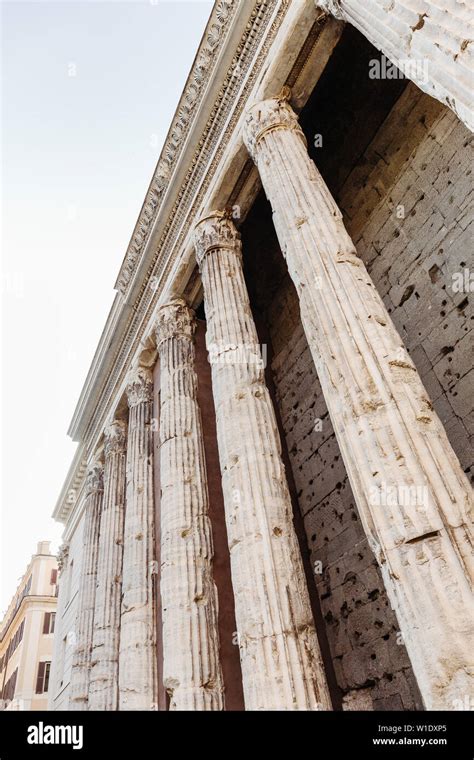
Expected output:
(39, 680)
(47, 616)
(47, 668)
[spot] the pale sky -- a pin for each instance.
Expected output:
(88, 93)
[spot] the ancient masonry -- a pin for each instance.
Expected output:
(297, 482)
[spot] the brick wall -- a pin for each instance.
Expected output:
(422, 161)
(360, 626)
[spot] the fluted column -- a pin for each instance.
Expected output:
(87, 588)
(137, 663)
(104, 688)
(281, 662)
(191, 671)
(431, 42)
(411, 492)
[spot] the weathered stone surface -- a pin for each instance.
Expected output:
(421, 162)
(413, 502)
(137, 664)
(430, 42)
(281, 661)
(81, 664)
(358, 700)
(192, 672)
(104, 687)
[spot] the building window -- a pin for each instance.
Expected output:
(19, 600)
(15, 640)
(42, 680)
(47, 669)
(54, 577)
(9, 689)
(48, 622)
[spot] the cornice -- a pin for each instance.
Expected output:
(213, 142)
(28, 601)
(253, 24)
(73, 486)
(203, 68)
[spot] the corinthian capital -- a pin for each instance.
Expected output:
(62, 557)
(139, 386)
(267, 115)
(333, 7)
(214, 231)
(115, 435)
(95, 475)
(174, 320)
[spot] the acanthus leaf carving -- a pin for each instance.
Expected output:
(174, 319)
(62, 557)
(215, 230)
(115, 435)
(95, 478)
(140, 386)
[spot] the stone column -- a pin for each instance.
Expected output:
(408, 484)
(281, 661)
(137, 663)
(81, 665)
(191, 672)
(430, 42)
(104, 687)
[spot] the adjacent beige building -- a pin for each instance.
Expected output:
(26, 635)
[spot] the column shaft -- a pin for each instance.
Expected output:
(137, 664)
(103, 690)
(281, 661)
(191, 671)
(87, 587)
(409, 487)
(429, 42)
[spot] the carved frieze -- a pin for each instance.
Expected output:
(198, 78)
